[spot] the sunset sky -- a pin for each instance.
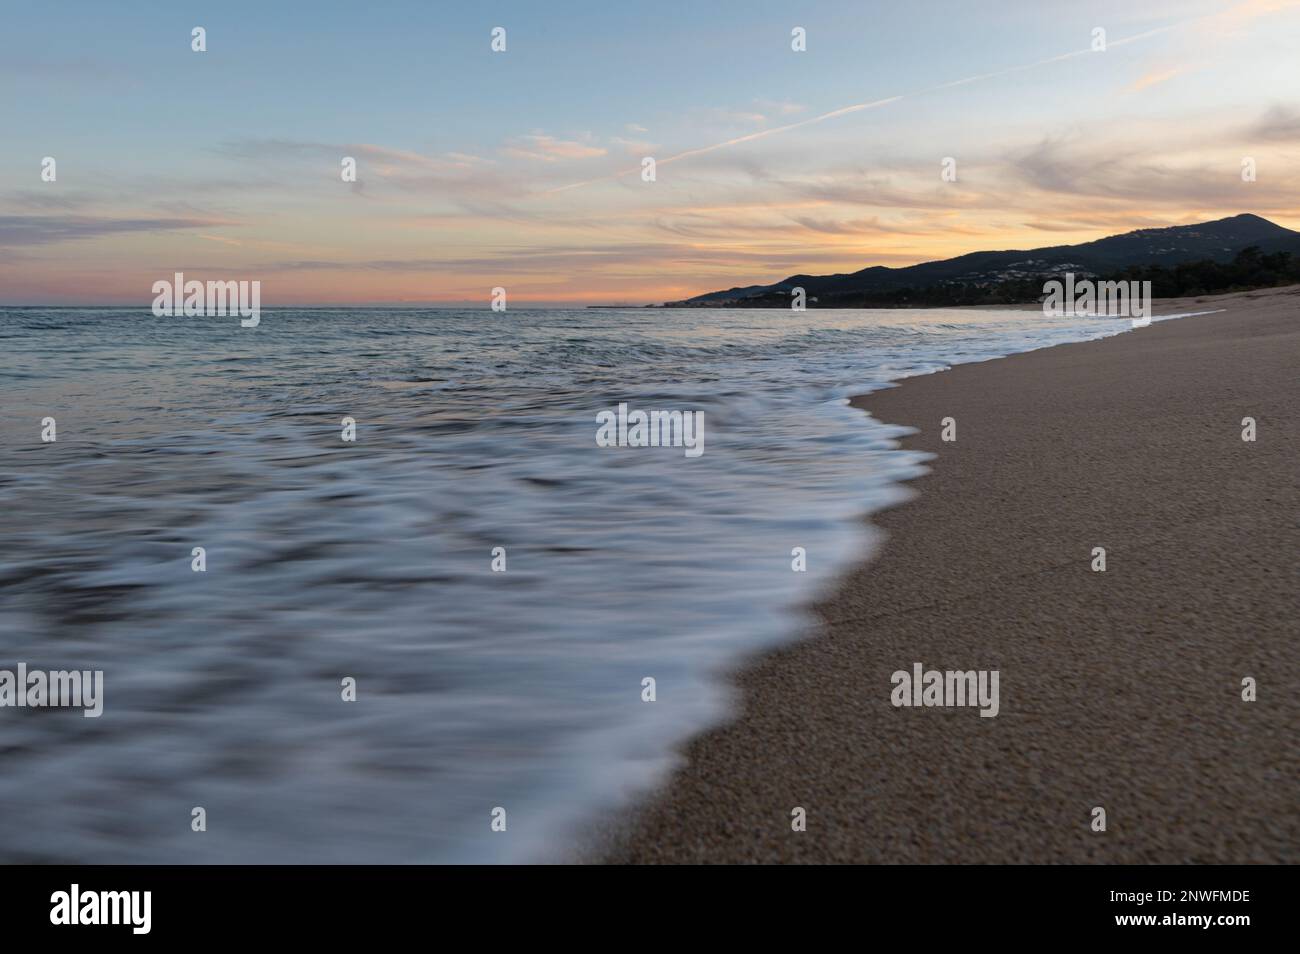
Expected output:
(522, 169)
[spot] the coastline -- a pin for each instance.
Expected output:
(1119, 689)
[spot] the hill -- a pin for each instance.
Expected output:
(1219, 241)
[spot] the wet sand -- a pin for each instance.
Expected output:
(1119, 689)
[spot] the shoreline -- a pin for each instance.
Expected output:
(1120, 689)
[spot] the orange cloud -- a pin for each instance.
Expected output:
(1154, 78)
(549, 149)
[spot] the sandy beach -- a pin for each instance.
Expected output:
(1119, 689)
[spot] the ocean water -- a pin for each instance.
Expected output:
(373, 560)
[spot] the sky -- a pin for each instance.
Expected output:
(522, 168)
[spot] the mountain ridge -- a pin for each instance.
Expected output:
(1217, 240)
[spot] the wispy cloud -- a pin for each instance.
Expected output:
(550, 149)
(779, 107)
(1155, 78)
(1278, 124)
(19, 230)
(507, 260)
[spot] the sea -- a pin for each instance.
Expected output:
(466, 635)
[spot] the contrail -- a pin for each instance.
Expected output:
(859, 107)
